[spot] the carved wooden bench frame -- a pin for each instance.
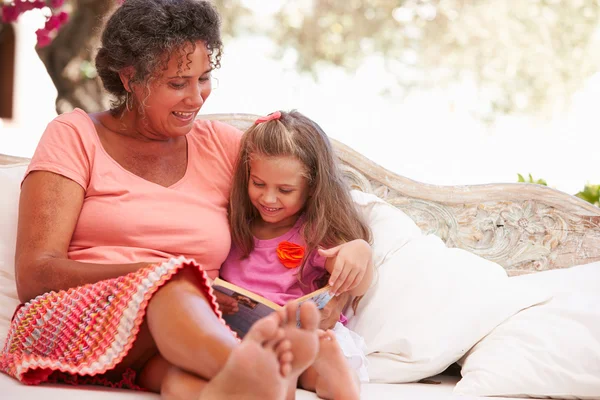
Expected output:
(523, 227)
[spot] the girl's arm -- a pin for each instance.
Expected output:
(48, 211)
(350, 266)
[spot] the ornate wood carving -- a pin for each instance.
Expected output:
(523, 227)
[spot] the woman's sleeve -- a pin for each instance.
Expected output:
(230, 138)
(62, 150)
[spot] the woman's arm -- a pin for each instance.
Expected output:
(49, 208)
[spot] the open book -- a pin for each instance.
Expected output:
(253, 307)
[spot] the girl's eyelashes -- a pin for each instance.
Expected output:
(281, 190)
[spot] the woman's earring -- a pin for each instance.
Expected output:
(129, 102)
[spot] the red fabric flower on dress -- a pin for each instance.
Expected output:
(270, 117)
(290, 254)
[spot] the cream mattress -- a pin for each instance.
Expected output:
(11, 389)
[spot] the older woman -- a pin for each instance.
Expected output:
(109, 197)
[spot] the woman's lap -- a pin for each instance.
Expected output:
(97, 329)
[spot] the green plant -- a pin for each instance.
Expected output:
(531, 180)
(591, 194)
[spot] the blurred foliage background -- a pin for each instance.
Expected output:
(522, 56)
(519, 56)
(590, 192)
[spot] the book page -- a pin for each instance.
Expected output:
(320, 297)
(249, 312)
(220, 283)
(253, 307)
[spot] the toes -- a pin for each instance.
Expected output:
(281, 315)
(290, 314)
(283, 346)
(286, 358)
(275, 340)
(264, 330)
(284, 351)
(286, 369)
(309, 316)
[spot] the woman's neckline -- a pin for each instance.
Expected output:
(115, 162)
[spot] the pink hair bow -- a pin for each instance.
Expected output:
(270, 117)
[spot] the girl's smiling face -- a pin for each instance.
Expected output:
(278, 188)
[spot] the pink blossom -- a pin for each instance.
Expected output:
(24, 6)
(63, 17)
(39, 4)
(10, 14)
(52, 23)
(57, 3)
(43, 37)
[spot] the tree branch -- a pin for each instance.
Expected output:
(75, 43)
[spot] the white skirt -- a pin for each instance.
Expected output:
(354, 348)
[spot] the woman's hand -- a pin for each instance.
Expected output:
(348, 264)
(332, 311)
(227, 304)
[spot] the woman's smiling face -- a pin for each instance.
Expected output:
(174, 98)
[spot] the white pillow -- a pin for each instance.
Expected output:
(10, 187)
(549, 350)
(566, 280)
(429, 304)
(391, 228)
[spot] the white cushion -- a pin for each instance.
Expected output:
(430, 304)
(391, 228)
(10, 187)
(549, 350)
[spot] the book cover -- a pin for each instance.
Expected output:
(252, 307)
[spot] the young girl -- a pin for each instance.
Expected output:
(288, 204)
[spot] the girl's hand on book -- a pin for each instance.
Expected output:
(347, 264)
(227, 304)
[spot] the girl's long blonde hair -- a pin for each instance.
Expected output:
(331, 218)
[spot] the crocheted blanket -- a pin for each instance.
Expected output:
(88, 330)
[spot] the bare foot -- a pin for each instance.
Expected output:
(254, 369)
(335, 378)
(304, 339)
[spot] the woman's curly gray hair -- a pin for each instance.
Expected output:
(143, 34)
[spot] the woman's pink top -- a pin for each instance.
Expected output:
(127, 219)
(263, 273)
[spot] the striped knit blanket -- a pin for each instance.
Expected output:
(77, 335)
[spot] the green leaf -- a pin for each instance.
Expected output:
(531, 180)
(591, 194)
